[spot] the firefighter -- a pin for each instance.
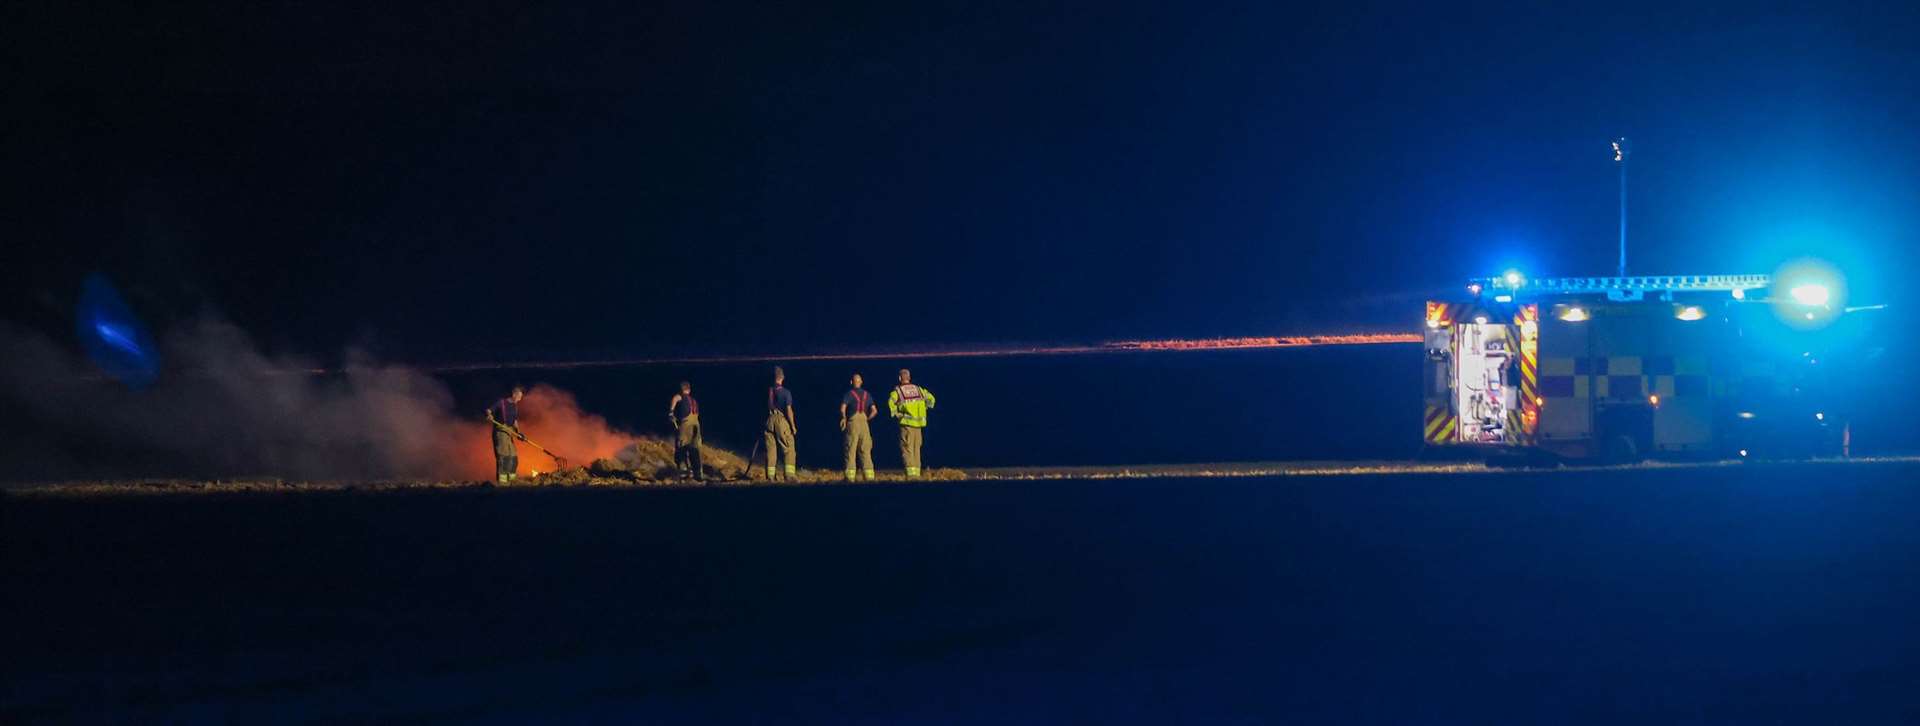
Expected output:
(504, 414)
(781, 426)
(684, 413)
(856, 409)
(909, 405)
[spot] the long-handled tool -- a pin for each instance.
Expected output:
(559, 462)
(750, 459)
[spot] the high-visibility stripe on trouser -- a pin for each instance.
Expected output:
(506, 462)
(858, 447)
(911, 438)
(686, 450)
(779, 441)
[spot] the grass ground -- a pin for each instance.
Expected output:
(1703, 594)
(730, 471)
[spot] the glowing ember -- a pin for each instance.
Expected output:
(550, 416)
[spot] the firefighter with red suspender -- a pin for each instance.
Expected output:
(856, 409)
(504, 414)
(781, 426)
(684, 413)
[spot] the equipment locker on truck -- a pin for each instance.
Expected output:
(1622, 368)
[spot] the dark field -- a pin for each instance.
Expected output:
(1775, 593)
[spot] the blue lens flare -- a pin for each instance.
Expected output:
(118, 338)
(1809, 293)
(114, 339)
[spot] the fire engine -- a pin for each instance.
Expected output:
(1618, 369)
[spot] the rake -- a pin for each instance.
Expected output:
(559, 462)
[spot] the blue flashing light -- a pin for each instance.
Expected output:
(1811, 294)
(1815, 294)
(114, 336)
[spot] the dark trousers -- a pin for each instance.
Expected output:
(506, 460)
(686, 450)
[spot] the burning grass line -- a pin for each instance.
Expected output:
(1002, 351)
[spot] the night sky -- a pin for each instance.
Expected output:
(463, 181)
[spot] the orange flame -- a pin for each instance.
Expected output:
(552, 417)
(549, 417)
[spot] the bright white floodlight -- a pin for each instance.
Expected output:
(1810, 294)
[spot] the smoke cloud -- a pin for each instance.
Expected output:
(223, 408)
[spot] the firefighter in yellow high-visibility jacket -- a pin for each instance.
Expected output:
(909, 405)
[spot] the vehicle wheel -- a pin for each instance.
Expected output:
(1621, 449)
